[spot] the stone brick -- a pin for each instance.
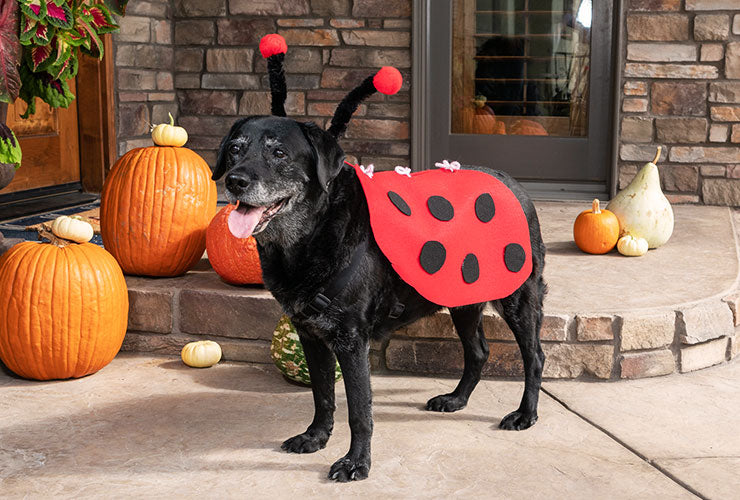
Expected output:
(724, 192)
(126, 146)
(131, 96)
(258, 103)
(655, 5)
(634, 105)
(136, 79)
(189, 59)
(571, 361)
(679, 98)
(725, 92)
(735, 137)
(215, 125)
(242, 314)
(495, 327)
(686, 154)
(734, 348)
(635, 152)
(167, 345)
(736, 25)
(162, 31)
(381, 8)
(207, 102)
(332, 78)
(237, 31)
(382, 38)
(718, 133)
(389, 110)
(700, 356)
(229, 81)
(364, 128)
(144, 56)
(200, 8)
(160, 96)
(378, 148)
(134, 29)
(319, 37)
(637, 129)
(296, 82)
(165, 81)
(711, 52)
(300, 23)
(632, 87)
(681, 129)
(436, 326)
(711, 4)
(678, 198)
(424, 356)
(395, 24)
(229, 60)
(647, 330)
(504, 360)
(711, 27)
(328, 109)
(330, 7)
(733, 171)
(149, 9)
(187, 80)
(732, 60)
(372, 58)
(150, 310)
(713, 170)
(554, 327)
(679, 177)
(160, 113)
(703, 322)
(347, 23)
(647, 364)
(133, 119)
(298, 60)
(245, 351)
(336, 96)
(725, 113)
(654, 70)
(661, 52)
(269, 7)
(598, 327)
(626, 174)
(657, 27)
(195, 32)
(733, 302)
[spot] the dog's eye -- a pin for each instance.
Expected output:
(279, 153)
(234, 149)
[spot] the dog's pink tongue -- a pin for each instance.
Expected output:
(242, 222)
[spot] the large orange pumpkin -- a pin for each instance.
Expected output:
(63, 309)
(234, 259)
(156, 205)
(527, 127)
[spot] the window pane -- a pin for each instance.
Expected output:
(521, 67)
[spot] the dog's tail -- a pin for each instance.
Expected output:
(273, 48)
(387, 80)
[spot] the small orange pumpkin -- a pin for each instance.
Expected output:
(155, 207)
(234, 259)
(596, 231)
(484, 120)
(527, 127)
(63, 309)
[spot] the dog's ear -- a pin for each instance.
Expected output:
(328, 155)
(221, 164)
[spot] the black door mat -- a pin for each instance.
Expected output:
(26, 207)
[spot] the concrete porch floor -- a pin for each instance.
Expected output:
(151, 427)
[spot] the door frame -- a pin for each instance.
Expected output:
(422, 119)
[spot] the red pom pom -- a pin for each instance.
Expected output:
(388, 80)
(273, 44)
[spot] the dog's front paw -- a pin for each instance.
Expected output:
(348, 469)
(446, 403)
(308, 442)
(518, 421)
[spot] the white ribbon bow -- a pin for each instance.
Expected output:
(369, 170)
(451, 166)
(403, 171)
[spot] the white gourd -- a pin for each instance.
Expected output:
(201, 354)
(73, 229)
(632, 247)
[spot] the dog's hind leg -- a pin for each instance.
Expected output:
(469, 325)
(522, 311)
(321, 363)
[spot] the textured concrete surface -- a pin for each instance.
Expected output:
(702, 250)
(149, 426)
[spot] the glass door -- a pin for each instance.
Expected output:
(523, 86)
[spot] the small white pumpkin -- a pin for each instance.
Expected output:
(73, 229)
(201, 354)
(167, 134)
(632, 247)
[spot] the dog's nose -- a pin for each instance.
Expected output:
(236, 181)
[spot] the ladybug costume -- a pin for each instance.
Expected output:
(456, 236)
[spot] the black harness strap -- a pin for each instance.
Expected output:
(323, 299)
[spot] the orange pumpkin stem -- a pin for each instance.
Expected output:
(595, 206)
(657, 155)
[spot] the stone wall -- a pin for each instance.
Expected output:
(144, 57)
(681, 89)
(212, 66)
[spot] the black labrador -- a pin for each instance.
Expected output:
(309, 215)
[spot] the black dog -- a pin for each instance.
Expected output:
(309, 215)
